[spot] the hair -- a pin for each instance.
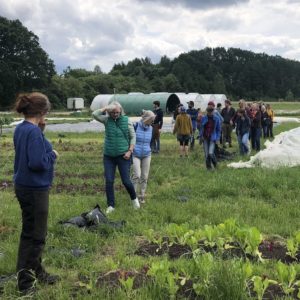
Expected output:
(228, 101)
(209, 109)
(219, 104)
(32, 104)
(242, 111)
(156, 102)
(113, 106)
(147, 115)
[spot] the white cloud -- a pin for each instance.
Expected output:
(85, 33)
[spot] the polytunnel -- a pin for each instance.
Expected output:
(134, 104)
(100, 101)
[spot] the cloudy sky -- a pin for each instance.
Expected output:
(85, 33)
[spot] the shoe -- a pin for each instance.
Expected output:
(109, 210)
(136, 203)
(142, 200)
(47, 278)
(28, 292)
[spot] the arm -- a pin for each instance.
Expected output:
(99, 116)
(38, 158)
(132, 140)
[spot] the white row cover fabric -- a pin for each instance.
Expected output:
(283, 151)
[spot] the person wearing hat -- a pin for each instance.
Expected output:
(210, 132)
(142, 153)
(193, 113)
(184, 129)
(228, 114)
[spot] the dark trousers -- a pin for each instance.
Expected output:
(226, 133)
(270, 130)
(34, 205)
(110, 164)
(255, 138)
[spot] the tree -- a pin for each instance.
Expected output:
(24, 66)
(289, 96)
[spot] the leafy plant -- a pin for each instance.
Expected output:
(127, 284)
(293, 244)
(153, 237)
(287, 277)
(161, 271)
(260, 284)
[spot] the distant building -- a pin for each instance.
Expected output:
(75, 103)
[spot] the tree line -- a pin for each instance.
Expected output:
(25, 66)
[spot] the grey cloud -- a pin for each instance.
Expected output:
(198, 4)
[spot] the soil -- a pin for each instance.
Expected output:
(111, 279)
(273, 292)
(186, 291)
(269, 250)
(276, 250)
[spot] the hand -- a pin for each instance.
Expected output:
(56, 153)
(42, 125)
(127, 155)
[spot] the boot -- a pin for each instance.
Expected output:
(208, 163)
(47, 278)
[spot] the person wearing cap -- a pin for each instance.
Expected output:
(157, 125)
(142, 153)
(228, 114)
(210, 132)
(193, 113)
(183, 128)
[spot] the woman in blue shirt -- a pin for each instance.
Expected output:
(33, 175)
(142, 153)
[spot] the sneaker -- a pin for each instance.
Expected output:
(109, 210)
(47, 278)
(136, 203)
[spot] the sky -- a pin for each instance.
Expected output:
(86, 33)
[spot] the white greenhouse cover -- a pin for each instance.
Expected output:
(282, 151)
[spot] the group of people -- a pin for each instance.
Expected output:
(250, 121)
(125, 144)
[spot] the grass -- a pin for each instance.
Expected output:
(267, 199)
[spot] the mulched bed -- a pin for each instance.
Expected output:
(269, 250)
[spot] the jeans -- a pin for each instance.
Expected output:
(141, 168)
(255, 138)
(110, 164)
(209, 151)
(243, 143)
(34, 205)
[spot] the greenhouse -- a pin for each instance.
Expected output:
(133, 104)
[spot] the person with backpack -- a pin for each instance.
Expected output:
(118, 148)
(142, 153)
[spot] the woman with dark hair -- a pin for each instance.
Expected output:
(118, 147)
(33, 175)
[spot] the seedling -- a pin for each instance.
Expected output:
(287, 277)
(260, 284)
(293, 245)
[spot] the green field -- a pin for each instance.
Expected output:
(266, 199)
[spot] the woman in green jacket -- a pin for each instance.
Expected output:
(118, 148)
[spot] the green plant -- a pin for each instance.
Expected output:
(161, 272)
(287, 277)
(260, 284)
(293, 244)
(127, 284)
(249, 240)
(153, 237)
